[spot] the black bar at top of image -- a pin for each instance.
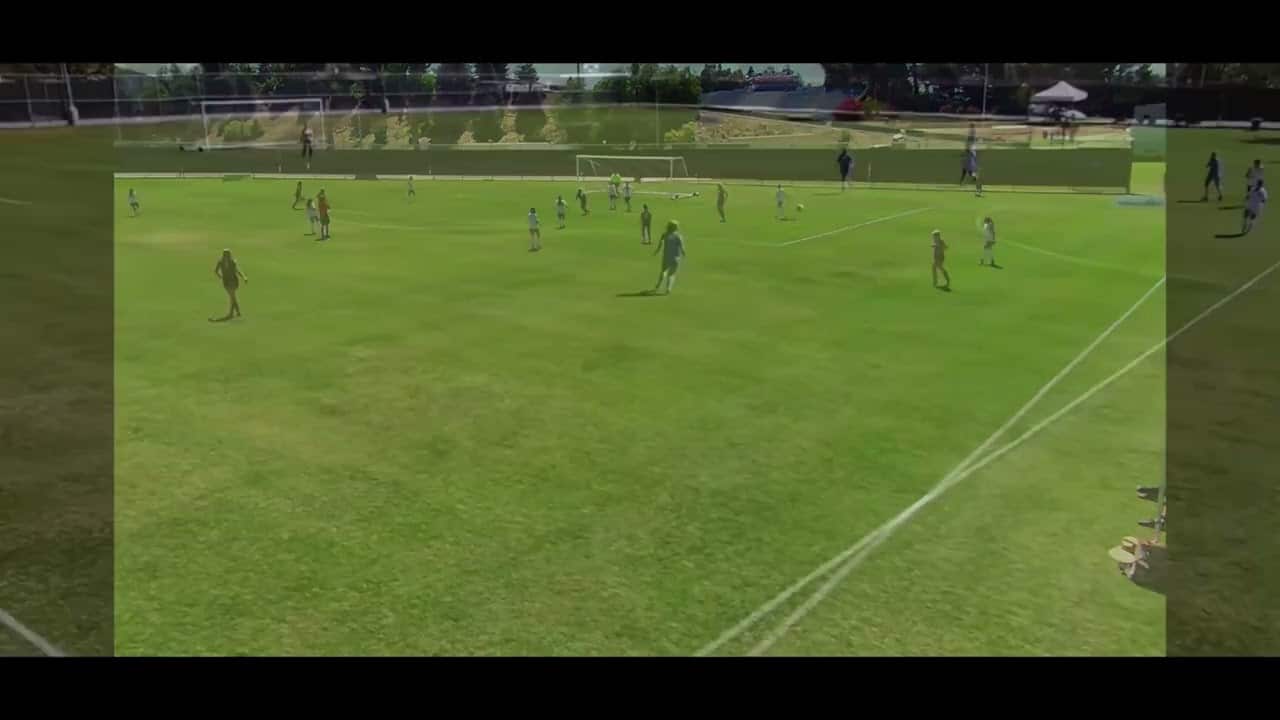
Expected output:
(56, 331)
(1223, 379)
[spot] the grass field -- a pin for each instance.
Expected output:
(422, 438)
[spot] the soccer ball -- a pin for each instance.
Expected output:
(800, 208)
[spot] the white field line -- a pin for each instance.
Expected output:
(853, 227)
(1072, 258)
(11, 201)
(29, 635)
(887, 530)
(852, 550)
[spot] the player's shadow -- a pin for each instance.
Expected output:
(642, 293)
(224, 318)
(1192, 202)
(1231, 207)
(1229, 235)
(1155, 577)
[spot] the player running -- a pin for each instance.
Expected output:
(722, 195)
(845, 161)
(1252, 177)
(582, 201)
(939, 259)
(134, 206)
(412, 194)
(1253, 207)
(561, 209)
(535, 231)
(307, 148)
(313, 216)
(988, 243)
(781, 197)
(970, 169)
(671, 245)
(297, 195)
(613, 196)
(626, 194)
(322, 204)
(229, 272)
(646, 225)
(1214, 176)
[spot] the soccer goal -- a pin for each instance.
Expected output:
(261, 123)
(631, 167)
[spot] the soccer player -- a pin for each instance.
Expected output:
(671, 245)
(781, 197)
(721, 196)
(1253, 207)
(626, 194)
(646, 225)
(297, 195)
(845, 161)
(312, 216)
(412, 193)
(307, 151)
(970, 169)
(613, 196)
(229, 272)
(535, 232)
(939, 259)
(988, 243)
(322, 204)
(1214, 176)
(561, 208)
(582, 201)
(134, 206)
(1252, 177)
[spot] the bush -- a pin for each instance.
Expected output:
(233, 131)
(686, 133)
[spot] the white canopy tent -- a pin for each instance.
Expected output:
(1060, 93)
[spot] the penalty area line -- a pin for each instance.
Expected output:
(853, 227)
(30, 635)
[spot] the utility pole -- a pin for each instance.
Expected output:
(986, 78)
(73, 115)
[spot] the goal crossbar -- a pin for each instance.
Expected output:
(670, 160)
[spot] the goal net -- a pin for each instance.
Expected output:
(631, 167)
(261, 123)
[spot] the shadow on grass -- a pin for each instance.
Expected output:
(1229, 235)
(1156, 576)
(642, 293)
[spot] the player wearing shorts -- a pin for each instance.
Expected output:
(1213, 176)
(613, 196)
(626, 195)
(297, 195)
(229, 272)
(1252, 177)
(322, 204)
(313, 216)
(561, 209)
(988, 243)
(722, 196)
(412, 193)
(671, 245)
(535, 232)
(970, 169)
(781, 198)
(940, 259)
(134, 206)
(845, 162)
(307, 150)
(646, 225)
(582, 202)
(1253, 207)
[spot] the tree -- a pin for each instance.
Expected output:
(751, 71)
(454, 83)
(527, 74)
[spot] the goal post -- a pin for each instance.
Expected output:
(660, 167)
(260, 122)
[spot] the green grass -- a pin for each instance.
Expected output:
(422, 438)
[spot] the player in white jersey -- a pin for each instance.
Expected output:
(313, 216)
(535, 232)
(411, 193)
(134, 206)
(561, 208)
(626, 195)
(613, 196)
(988, 243)
(781, 196)
(1253, 206)
(1252, 177)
